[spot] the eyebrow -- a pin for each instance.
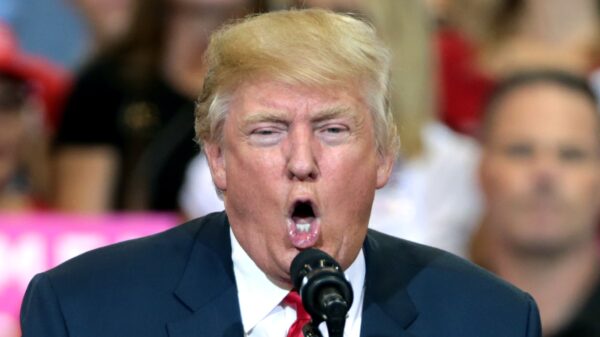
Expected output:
(265, 116)
(277, 116)
(335, 112)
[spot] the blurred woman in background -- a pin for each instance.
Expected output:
(127, 133)
(432, 196)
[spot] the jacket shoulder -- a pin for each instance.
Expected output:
(416, 261)
(155, 258)
(126, 289)
(450, 292)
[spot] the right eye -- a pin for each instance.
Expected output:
(266, 136)
(517, 151)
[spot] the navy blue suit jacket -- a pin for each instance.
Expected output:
(180, 283)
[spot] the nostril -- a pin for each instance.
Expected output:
(302, 170)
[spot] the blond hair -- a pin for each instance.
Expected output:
(407, 29)
(310, 47)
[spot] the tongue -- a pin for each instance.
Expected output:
(303, 232)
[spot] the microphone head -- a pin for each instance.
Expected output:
(322, 285)
(308, 260)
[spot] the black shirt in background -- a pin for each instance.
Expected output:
(586, 322)
(152, 130)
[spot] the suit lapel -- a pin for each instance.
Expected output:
(387, 308)
(208, 286)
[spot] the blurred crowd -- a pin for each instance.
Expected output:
(495, 102)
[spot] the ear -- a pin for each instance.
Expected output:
(216, 162)
(384, 169)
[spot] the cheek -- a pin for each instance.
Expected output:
(257, 177)
(255, 166)
(11, 131)
(502, 181)
(584, 188)
(350, 171)
(349, 185)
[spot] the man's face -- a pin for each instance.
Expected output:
(541, 169)
(299, 168)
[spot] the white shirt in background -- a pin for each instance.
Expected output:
(434, 199)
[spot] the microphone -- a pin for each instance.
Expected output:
(325, 292)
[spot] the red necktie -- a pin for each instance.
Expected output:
(302, 317)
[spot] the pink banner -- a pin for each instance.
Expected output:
(31, 243)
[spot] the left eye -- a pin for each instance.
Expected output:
(334, 134)
(334, 129)
(264, 132)
(572, 154)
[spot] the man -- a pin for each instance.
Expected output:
(294, 122)
(541, 176)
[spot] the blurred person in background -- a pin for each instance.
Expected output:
(482, 42)
(540, 173)
(125, 137)
(432, 196)
(106, 20)
(30, 93)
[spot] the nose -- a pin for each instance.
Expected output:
(301, 157)
(546, 173)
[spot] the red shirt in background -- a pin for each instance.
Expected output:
(463, 88)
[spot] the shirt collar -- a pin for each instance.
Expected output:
(256, 293)
(258, 296)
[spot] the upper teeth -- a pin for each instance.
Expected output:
(303, 227)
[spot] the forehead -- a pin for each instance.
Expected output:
(545, 112)
(273, 97)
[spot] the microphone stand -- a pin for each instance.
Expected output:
(335, 327)
(311, 329)
(326, 293)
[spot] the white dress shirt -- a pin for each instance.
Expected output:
(263, 314)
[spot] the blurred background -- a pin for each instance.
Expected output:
(97, 143)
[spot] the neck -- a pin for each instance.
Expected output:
(559, 284)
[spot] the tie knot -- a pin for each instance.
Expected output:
(293, 299)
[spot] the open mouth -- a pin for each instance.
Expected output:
(303, 224)
(303, 215)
